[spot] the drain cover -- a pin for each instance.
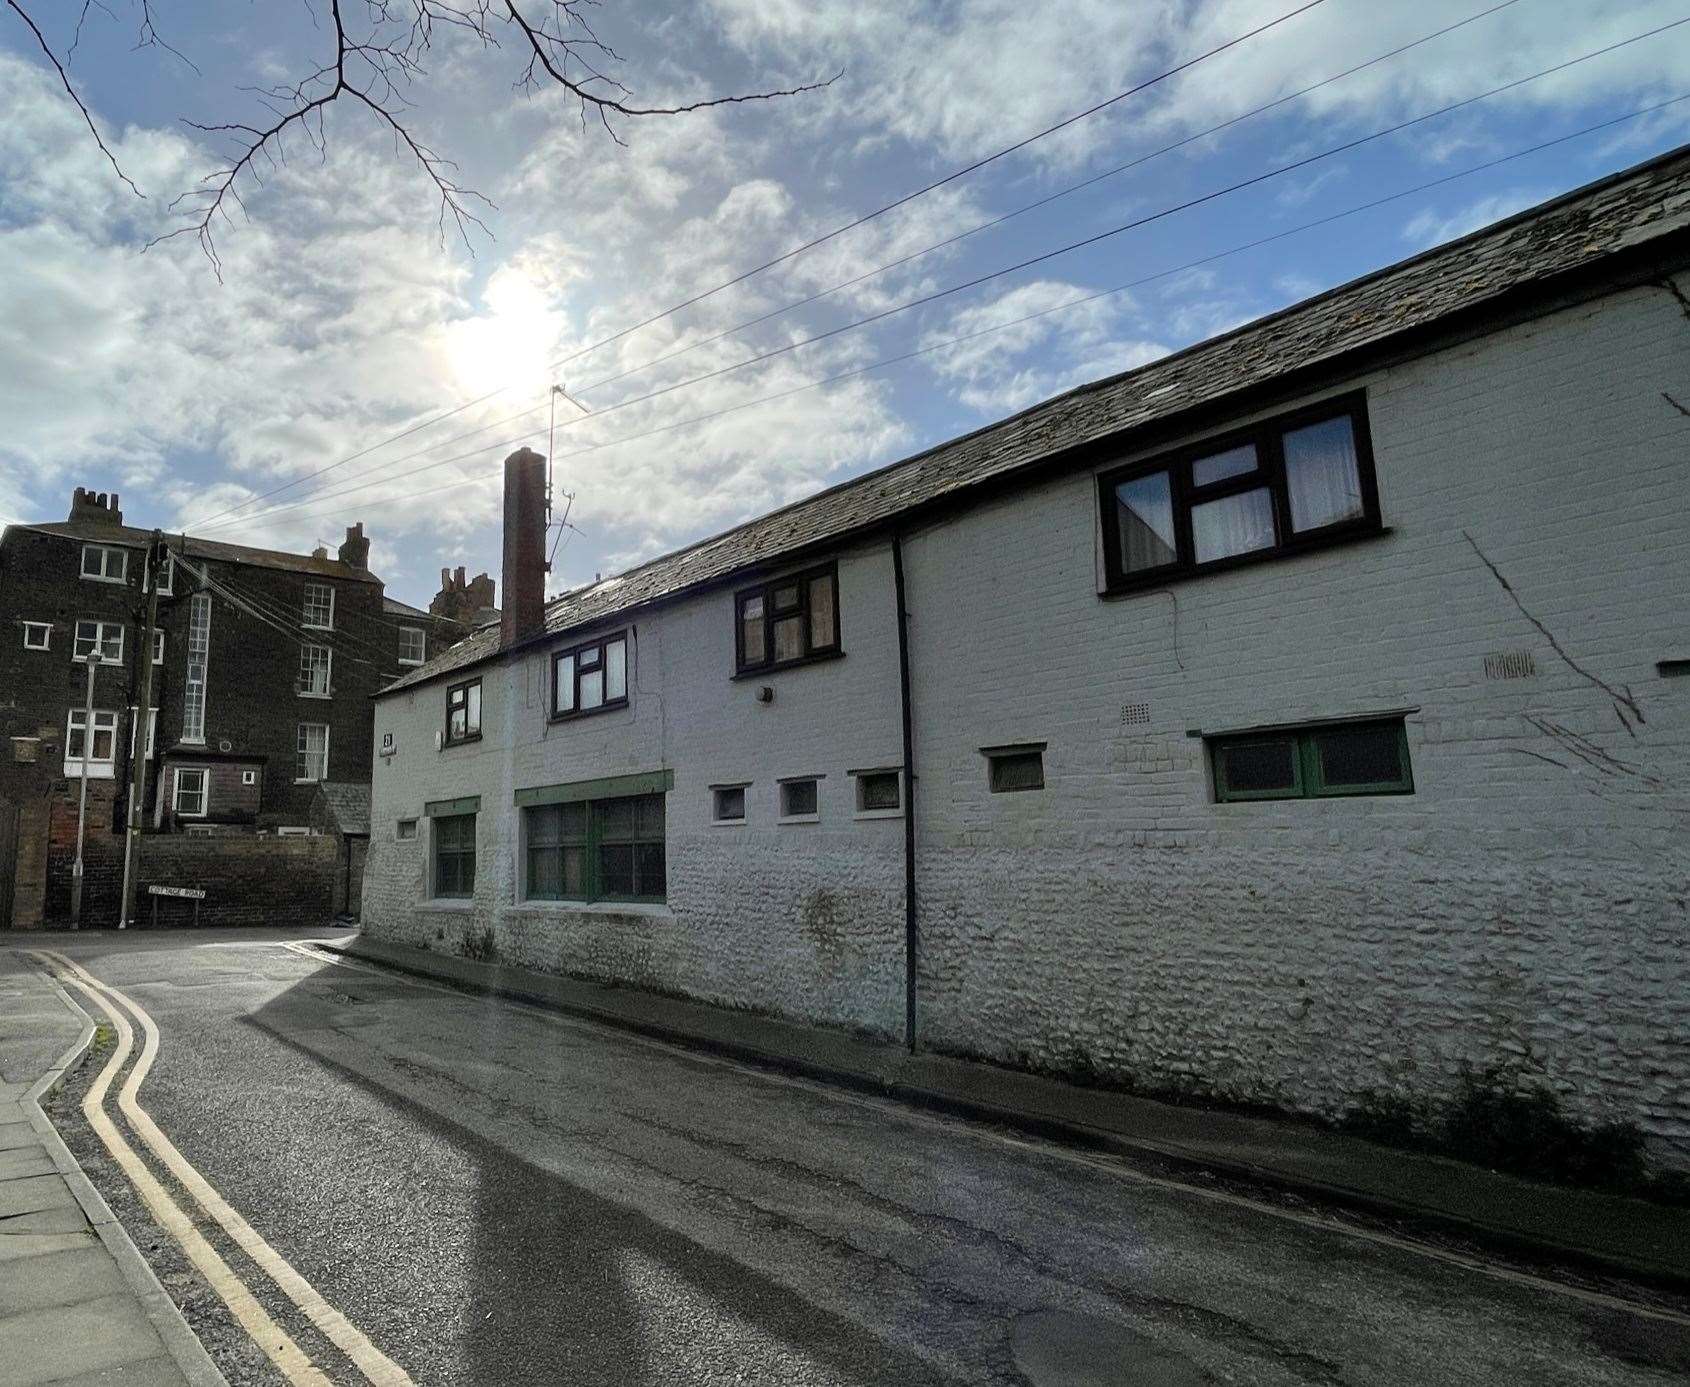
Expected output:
(1054, 1348)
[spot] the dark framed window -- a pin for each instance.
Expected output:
(463, 712)
(590, 678)
(1013, 768)
(597, 850)
(1350, 758)
(727, 803)
(454, 856)
(800, 799)
(1292, 483)
(879, 792)
(787, 621)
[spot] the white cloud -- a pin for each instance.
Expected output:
(1429, 228)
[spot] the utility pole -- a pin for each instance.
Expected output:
(92, 659)
(140, 729)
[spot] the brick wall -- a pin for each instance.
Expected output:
(248, 880)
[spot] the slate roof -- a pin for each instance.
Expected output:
(1545, 242)
(394, 607)
(348, 805)
(103, 532)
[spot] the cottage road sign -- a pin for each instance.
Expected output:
(192, 893)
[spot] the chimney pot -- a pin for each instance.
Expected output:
(524, 612)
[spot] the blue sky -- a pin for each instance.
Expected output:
(342, 318)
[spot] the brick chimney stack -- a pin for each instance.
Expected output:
(355, 552)
(467, 601)
(524, 612)
(95, 506)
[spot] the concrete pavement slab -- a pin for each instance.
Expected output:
(63, 1341)
(151, 1372)
(16, 1245)
(67, 1218)
(58, 1278)
(15, 1134)
(25, 1160)
(32, 1193)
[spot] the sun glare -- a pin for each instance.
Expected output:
(509, 343)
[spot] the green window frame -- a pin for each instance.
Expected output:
(589, 850)
(454, 856)
(1308, 758)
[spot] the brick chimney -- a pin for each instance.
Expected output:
(463, 600)
(524, 613)
(355, 552)
(100, 508)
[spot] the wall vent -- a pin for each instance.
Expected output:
(1510, 664)
(1132, 713)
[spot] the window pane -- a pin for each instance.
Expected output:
(616, 818)
(789, 637)
(103, 738)
(650, 815)
(1234, 462)
(592, 689)
(545, 825)
(1259, 767)
(751, 630)
(1144, 510)
(797, 798)
(1021, 770)
(575, 871)
(565, 684)
(572, 822)
(91, 561)
(474, 708)
(590, 658)
(824, 633)
(878, 791)
(650, 869)
(616, 670)
(545, 872)
(1233, 525)
(786, 597)
(1322, 475)
(730, 804)
(616, 869)
(1361, 756)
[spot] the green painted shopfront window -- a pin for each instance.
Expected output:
(1360, 758)
(454, 856)
(597, 850)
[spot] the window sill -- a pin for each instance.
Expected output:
(461, 741)
(580, 713)
(447, 904)
(763, 670)
(115, 582)
(412, 664)
(73, 771)
(308, 779)
(652, 910)
(878, 814)
(1152, 582)
(728, 823)
(307, 626)
(799, 819)
(306, 693)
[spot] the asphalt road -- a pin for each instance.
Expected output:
(496, 1195)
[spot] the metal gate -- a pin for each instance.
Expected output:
(8, 860)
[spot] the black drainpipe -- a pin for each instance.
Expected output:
(909, 793)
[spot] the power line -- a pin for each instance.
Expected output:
(799, 250)
(1211, 196)
(484, 478)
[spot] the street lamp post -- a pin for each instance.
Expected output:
(92, 659)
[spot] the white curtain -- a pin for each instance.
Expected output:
(1233, 525)
(1145, 508)
(1321, 474)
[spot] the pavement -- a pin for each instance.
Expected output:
(1608, 1233)
(79, 1306)
(498, 1193)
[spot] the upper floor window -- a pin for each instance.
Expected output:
(199, 655)
(314, 665)
(98, 758)
(589, 678)
(1278, 487)
(463, 712)
(787, 621)
(158, 646)
(105, 563)
(37, 635)
(311, 760)
(103, 636)
(318, 613)
(412, 645)
(167, 576)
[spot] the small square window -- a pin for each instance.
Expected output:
(799, 799)
(405, 830)
(37, 635)
(728, 803)
(879, 792)
(249, 777)
(1016, 768)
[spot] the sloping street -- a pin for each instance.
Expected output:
(494, 1194)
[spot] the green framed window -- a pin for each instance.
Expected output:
(454, 856)
(1351, 758)
(596, 850)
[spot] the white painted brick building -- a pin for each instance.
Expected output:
(1518, 604)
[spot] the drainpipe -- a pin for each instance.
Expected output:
(909, 792)
(94, 657)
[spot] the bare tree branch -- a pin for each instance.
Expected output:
(380, 47)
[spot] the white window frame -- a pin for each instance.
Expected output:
(204, 772)
(300, 751)
(97, 767)
(194, 687)
(158, 646)
(309, 605)
(152, 731)
(296, 831)
(105, 551)
(304, 683)
(422, 644)
(45, 628)
(101, 639)
(249, 777)
(167, 578)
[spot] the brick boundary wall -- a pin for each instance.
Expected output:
(247, 880)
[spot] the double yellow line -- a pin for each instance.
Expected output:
(292, 1361)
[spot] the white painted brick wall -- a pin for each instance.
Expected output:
(1511, 910)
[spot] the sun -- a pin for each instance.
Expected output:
(510, 343)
